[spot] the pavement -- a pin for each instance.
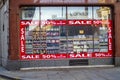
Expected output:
(104, 73)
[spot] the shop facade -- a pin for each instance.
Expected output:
(55, 33)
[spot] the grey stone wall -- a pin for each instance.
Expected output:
(16, 65)
(101, 61)
(4, 33)
(117, 61)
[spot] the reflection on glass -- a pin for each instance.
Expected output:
(79, 13)
(103, 13)
(30, 13)
(53, 13)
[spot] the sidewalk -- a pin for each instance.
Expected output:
(5, 76)
(112, 73)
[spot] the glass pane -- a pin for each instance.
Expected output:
(53, 13)
(103, 13)
(79, 13)
(101, 33)
(30, 13)
(32, 39)
(103, 37)
(49, 15)
(31, 17)
(79, 39)
(96, 39)
(52, 39)
(64, 40)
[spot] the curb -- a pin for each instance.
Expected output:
(66, 67)
(10, 78)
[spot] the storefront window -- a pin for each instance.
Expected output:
(65, 32)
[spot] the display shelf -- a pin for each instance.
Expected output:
(49, 51)
(50, 40)
(86, 39)
(104, 50)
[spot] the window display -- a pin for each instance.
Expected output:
(65, 32)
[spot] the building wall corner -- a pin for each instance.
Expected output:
(117, 61)
(13, 65)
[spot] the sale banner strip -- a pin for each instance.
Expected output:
(22, 40)
(65, 56)
(63, 22)
(110, 36)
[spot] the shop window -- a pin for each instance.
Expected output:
(65, 32)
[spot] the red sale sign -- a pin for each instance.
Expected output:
(36, 40)
(63, 22)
